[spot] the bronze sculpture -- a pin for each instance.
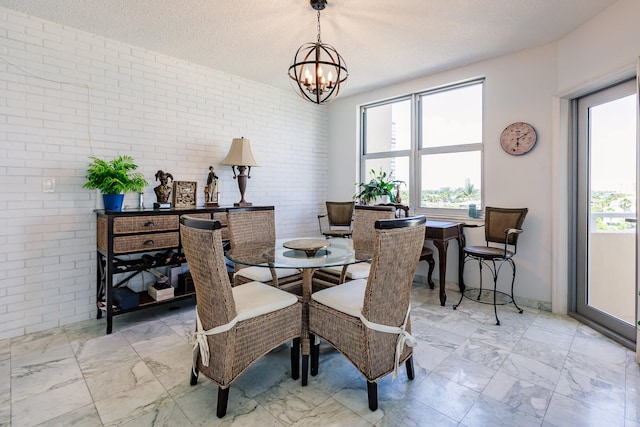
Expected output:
(163, 191)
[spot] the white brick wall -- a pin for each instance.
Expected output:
(166, 113)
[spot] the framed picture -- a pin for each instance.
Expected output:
(184, 194)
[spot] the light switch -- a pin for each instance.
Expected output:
(48, 185)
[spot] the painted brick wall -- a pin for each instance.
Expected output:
(66, 95)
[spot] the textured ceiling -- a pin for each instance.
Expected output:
(382, 41)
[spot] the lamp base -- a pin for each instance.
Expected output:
(241, 204)
(211, 205)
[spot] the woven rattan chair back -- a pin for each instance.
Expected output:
(364, 220)
(251, 225)
(205, 255)
(497, 220)
(398, 245)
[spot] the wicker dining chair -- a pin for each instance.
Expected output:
(252, 225)
(363, 237)
(368, 321)
(427, 252)
(234, 326)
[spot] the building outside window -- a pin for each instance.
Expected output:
(432, 141)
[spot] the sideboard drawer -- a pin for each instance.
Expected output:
(145, 242)
(143, 224)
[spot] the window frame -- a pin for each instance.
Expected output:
(417, 150)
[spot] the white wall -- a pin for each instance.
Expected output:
(168, 114)
(520, 87)
(517, 87)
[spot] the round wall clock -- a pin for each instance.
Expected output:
(518, 138)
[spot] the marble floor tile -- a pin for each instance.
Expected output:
(465, 372)
(332, 413)
(482, 353)
(598, 388)
(130, 404)
(86, 416)
(53, 403)
(598, 347)
(120, 378)
(519, 394)
(536, 368)
(412, 413)
(550, 337)
(489, 412)
(564, 411)
(446, 396)
(30, 380)
(531, 370)
(167, 415)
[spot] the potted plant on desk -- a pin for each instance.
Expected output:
(113, 178)
(381, 185)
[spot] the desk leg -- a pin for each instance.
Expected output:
(442, 267)
(461, 244)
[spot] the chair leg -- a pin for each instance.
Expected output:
(464, 262)
(409, 365)
(295, 359)
(480, 290)
(372, 392)
(194, 376)
(513, 280)
(315, 355)
(223, 398)
(432, 265)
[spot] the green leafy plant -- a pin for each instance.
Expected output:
(381, 184)
(115, 176)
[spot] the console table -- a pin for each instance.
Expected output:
(140, 231)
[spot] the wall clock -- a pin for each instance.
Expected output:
(518, 138)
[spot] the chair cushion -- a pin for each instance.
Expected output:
(255, 299)
(354, 271)
(347, 298)
(263, 274)
(487, 252)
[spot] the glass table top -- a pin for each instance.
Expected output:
(339, 251)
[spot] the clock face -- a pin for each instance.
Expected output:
(518, 138)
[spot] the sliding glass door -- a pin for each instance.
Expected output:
(606, 216)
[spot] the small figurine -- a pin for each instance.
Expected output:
(211, 189)
(163, 191)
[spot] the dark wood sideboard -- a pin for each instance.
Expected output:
(131, 241)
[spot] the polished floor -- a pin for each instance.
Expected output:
(536, 369)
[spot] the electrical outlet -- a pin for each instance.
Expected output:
(48, 185)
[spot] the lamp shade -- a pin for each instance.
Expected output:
(240, 153)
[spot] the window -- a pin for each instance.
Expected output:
(432, 141)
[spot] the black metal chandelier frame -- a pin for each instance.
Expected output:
(314, 86)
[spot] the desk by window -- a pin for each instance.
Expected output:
(440, 232)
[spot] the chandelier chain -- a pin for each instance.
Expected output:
(319, 27)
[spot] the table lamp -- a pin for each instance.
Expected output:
(240, 156)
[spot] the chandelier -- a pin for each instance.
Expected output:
(318, 70)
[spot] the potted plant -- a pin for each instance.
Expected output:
(113, 178)
(379, 186)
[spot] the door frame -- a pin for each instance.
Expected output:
(604, 324)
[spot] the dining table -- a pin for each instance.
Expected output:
(305, 254)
